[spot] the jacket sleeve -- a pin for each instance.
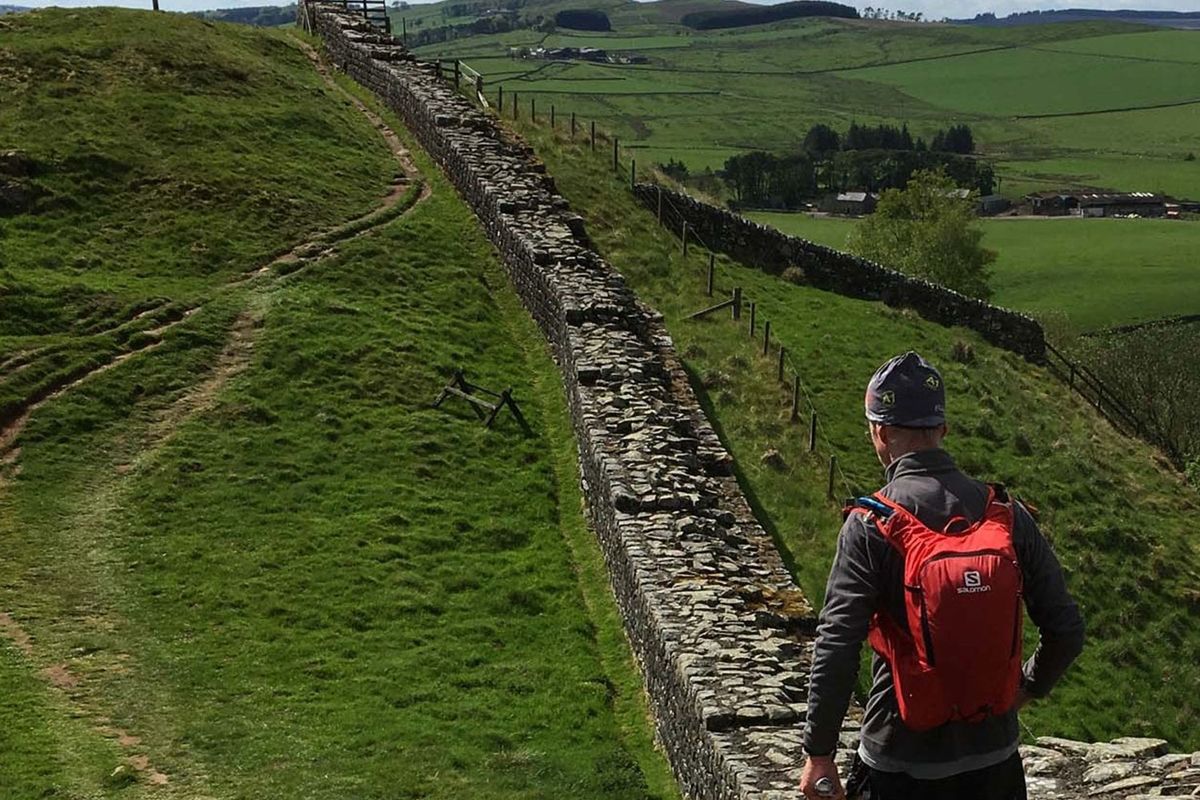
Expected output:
(851, 597)
(1050, 606)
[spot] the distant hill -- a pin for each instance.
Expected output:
(1164, 19)
(758, 15)
(12, 9)
(259, 16)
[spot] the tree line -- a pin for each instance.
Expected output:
(864, 158)
(737, 17)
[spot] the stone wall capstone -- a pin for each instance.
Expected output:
(835, 271)
(720, 630)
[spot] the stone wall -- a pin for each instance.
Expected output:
(832, 270)
(713, 616)
(719, 628)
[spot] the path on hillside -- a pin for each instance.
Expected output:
(75, 686)
(318, 246)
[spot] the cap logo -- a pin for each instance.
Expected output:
(888, 398)
(932, 382)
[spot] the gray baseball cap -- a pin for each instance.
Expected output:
(906, 391)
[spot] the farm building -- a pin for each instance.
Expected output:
(1052, 204)
(857, 203)
(992, 204)
(1113, 204)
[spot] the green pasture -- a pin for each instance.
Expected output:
(1165, 46)
(762, 87)
(1096, 272)
(251, 560)
(1119, 518)
(1029, 80)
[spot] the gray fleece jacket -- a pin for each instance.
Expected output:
(867, 576)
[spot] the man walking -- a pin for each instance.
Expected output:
(933, 569)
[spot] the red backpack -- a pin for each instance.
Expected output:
(959, 657)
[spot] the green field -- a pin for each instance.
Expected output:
(772, 82)
(243, 556)
(1096, 272)
(1118, 515)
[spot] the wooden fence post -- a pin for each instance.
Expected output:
(753, 318)
(553, 119)
(404, 31)
(632, 174)
(660, 205)
(766, 337)
(457, 74)
(712, 268)
(572, 126)
(479, 86)
(779, 375)
(795, 397)
(500, 99)
(737, 302)
(533, 109)
(684, 235)
(812, 433)
(439, 69)
(616, 144)
(832, 470)
(516, 106)
(593, 135)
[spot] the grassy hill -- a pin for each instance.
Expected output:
(244, 557)
(1119, 517)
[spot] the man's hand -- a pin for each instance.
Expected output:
(815, 768)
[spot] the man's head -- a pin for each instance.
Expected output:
(906, 407)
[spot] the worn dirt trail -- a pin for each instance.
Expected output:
(78, 687)
(319, 245)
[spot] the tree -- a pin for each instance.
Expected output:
(821, 139)
(926, 231)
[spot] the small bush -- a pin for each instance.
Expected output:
(1192, 472)
(1022, 445)
(963, 352)
(795, 275)
(1190, 157)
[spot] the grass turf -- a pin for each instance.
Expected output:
(1118, 516)
(313, 584)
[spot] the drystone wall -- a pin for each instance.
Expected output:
(835, 271)
(722, 633)
(716, 622)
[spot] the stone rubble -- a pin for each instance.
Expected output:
(721, 631)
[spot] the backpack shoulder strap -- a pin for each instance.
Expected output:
(870, 505)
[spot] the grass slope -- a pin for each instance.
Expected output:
(253, 562)
(1094, 272)
(1118, 517)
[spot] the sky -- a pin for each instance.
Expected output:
(933, 9)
